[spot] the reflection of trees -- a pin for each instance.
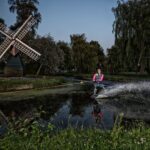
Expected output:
(44, 106)
(79, 101)
(87, 87)
(51, 105)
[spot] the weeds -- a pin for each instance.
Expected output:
(31, 135)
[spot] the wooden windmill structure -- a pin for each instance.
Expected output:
(13, 40)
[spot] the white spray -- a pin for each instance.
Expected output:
(118, 89)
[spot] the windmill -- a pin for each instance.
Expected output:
(13, 40)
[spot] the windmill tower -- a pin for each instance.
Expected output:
(14, 42)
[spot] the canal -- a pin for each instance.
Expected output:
(75, 106)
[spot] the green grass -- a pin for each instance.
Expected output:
(33, 138)
(9, 84)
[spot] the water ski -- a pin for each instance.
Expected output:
(101, 96)
(94, 96)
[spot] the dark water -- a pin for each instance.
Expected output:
(78, 109)
(132, 99)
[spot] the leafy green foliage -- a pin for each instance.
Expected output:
(23, 9)
(131, 28)
(30, 135)
(68, 63)
(85, 55)
(52, 56)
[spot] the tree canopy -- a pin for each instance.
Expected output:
(132, 30)
(85, 54)
(23, 9)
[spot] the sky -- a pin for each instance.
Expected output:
(62, 18)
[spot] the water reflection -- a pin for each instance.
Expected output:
(82, 111)
(76, 110)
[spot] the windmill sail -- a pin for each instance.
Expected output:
(4, 46)
(14, 38)
(26, 29)
(27, 50)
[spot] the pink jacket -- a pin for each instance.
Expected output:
(97, 77)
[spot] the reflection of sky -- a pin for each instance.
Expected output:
(108, 118)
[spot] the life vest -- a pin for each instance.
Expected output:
(97, 77)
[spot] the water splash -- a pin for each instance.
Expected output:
(139, 88)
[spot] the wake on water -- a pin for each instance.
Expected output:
(139, 89)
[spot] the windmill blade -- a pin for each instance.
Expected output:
(2, 26)
(19, 30)
(27, 50)
(26, 29)
(7, 32)
(4, 33)
(5, 46)
(15, 39)
(11, 33)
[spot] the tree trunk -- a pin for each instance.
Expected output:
(142, 69)
(141, 62)
(39, 69)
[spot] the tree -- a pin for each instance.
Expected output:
(68, 56)
(85, 54)
(52, 55)
(23, 9)
(2, 38)
(96, 47)
(114, 64)
(131, 27)
(78, 44)
(2, 21)
(1, 35)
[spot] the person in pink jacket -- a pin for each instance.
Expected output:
(97, 78)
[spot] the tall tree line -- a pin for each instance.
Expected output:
(85, 54)
(77, 56)
(132, 36)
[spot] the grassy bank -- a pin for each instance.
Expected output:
(11, 84)
(32, 137)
